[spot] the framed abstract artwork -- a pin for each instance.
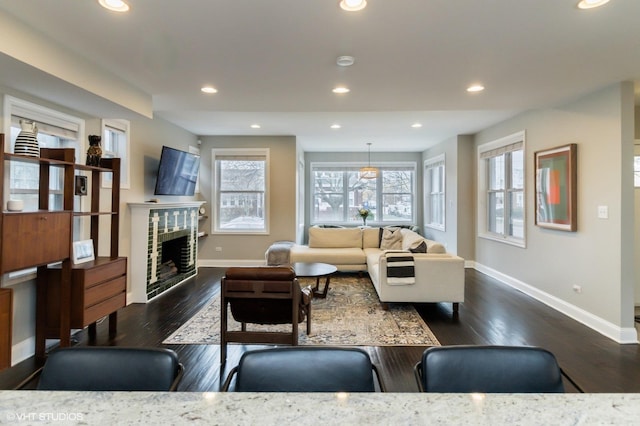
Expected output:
(556, 192)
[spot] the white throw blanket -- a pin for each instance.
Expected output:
(400, 268)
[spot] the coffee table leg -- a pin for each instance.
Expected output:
(321, 294)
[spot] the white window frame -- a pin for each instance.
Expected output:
(430, 166)
(29, 110)
(483, 189)
(239, 152)
(124, 153)
(351, 166)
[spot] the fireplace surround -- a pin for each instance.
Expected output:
(164, 246)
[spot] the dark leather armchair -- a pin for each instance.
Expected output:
(94, 368)
(489, 369)
(263, 295)
(304, 369)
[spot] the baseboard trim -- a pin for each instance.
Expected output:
(627, 335)
(23, 350)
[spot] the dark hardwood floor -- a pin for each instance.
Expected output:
(493, 313)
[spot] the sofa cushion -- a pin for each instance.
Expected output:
(335, 237)
(411, 239)
(391, 239)
(337, 256)
(371, 237)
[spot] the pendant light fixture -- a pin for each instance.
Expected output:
(368, 172)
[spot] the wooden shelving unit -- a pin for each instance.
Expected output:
(40, 238)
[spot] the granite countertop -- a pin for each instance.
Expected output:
(160, 408)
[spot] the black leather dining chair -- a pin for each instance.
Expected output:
(488, 369)
(304, 369)
(94, 368)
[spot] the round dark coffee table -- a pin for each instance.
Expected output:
(317, 271)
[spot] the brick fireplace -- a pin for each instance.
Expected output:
(167, 255)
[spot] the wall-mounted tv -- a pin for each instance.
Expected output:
(177, 172)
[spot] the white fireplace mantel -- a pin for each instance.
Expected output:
(140, 241)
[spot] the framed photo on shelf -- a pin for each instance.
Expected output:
(555, 186)
(83, 251)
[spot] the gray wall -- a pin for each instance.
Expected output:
(460, 203)
(598, 257)
(243, 249)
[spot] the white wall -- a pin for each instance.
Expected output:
(598, 257)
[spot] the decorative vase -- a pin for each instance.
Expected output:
(94, 153)
(364, 221)
(27, 140)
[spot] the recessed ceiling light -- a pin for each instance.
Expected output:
(353, 5)
(590, 4)
(416, 125)
(475, 88)
(209, 89)
(114, 5)
(335, 126)
(340, 90)
(255, 126)
(345, 61)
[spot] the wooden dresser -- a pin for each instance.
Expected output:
(98, 288)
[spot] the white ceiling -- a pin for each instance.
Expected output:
(273, 62)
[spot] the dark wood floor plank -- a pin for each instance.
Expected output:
(493, 313)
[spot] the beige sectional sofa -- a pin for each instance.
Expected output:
(437, 276)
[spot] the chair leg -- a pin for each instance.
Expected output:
(308, 319)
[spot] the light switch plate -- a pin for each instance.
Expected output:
(603, 212)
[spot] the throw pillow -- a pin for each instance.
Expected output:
(419, 247)
(391, 239)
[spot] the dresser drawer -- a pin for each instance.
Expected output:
(104, 291)
(106, 307)
(103, 272)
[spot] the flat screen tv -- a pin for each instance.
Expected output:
(177, 172)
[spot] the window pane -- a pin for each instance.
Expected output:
(241, 175)
(397, 207)
(496, 212)
(517, 214)
(496, 172)
(397, 181)
(517, 169)
(329, 208)
(240, 210)
(362, 194)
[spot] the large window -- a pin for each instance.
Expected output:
(240, 186)
(502, 190)
(434, 205)
(339, 192)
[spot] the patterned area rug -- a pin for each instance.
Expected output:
(350, 315)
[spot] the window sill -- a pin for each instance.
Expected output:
(505, 240)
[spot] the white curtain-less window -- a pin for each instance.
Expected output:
(502, 188)
(434, 173)
(339, 192)
(115, 144)
(240, 185)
